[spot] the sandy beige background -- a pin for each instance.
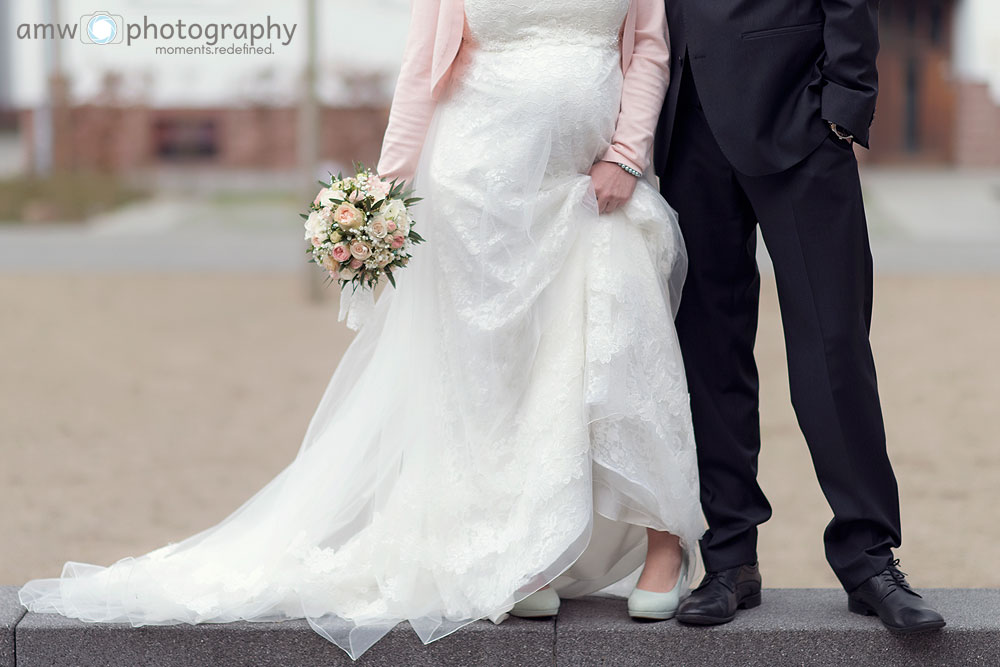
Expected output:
(139, 409)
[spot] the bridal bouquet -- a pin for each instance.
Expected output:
(360, 228)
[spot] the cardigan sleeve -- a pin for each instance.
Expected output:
(412, 103)
(645, 87)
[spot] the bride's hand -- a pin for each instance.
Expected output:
(613, 185)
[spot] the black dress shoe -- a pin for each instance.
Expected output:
(720, 594)
(890, 597)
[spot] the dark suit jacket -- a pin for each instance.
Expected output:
(769, 72)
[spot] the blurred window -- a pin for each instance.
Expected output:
(911, 124)
(937, 23)
(911, 16)
(186, 138)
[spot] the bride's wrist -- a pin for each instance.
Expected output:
(630, 170)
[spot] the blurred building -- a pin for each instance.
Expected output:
(124, 107)
(114, 138)
(118, 129)
(939, 97)
(932, 109)
(7, 116)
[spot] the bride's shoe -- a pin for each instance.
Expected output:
(650, 606)
(540, 604)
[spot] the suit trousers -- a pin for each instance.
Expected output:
(812, 220)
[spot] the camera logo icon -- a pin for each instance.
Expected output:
(101, 28)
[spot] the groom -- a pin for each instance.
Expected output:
(767, 100)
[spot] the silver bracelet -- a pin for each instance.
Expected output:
(841, 133)
(634, 172)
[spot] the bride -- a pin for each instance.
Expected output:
(511, 425)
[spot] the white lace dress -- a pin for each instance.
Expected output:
(513, 414)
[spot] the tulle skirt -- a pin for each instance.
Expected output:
(514, 414)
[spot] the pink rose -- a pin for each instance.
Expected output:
(361, 250)
(377, 227)
(348, 217)
(341, 252)
(397, 241)
(390, 225)
(357, 264)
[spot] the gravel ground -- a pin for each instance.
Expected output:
(139, 409)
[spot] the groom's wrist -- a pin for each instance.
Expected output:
(841, 133)
(851, 110)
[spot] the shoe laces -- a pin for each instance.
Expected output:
(707, 579)
(896, 577)
(712, 576)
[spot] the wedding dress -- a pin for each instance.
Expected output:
(512, 415)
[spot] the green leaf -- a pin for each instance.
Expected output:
(392, 279)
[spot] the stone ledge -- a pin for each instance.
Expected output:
(56, 641)
(793, 627)
(11, 612)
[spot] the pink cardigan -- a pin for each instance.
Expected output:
(435, 37)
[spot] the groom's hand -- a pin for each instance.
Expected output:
(613, 185)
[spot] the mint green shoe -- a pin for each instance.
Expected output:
(649, 606)
(540, 604)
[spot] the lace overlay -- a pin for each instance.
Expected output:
(512, 415)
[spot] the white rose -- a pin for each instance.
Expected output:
(316, 227)
(397, 212)
(394, 210)
(327, 194)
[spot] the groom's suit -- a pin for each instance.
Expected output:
(744, 140)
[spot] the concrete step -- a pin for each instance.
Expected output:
(793, 627)
(10, 613)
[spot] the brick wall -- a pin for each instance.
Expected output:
(977, 127)
(122, 138)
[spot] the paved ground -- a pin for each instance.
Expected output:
(949, 207)
(140, 408)
(921, 221)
